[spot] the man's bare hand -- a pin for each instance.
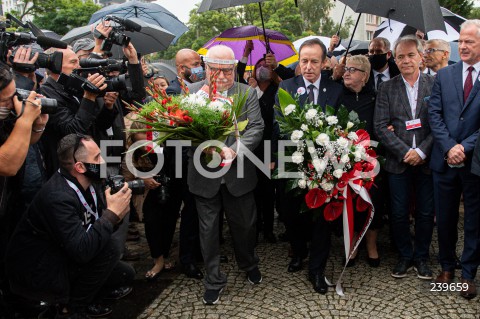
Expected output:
(271, 61)
(252, 82)
(131, 53)
(413, 158)
(248, 48)
(456, 155)
(150, 183)
(227, 153)
(333, 42)
(119, 203)
(109, 99)
(99, 81)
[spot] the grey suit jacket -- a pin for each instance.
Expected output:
(392, 107)
(250, 138)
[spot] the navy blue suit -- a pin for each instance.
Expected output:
(298, 224)
(454, 122)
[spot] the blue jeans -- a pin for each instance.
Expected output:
(402, 186)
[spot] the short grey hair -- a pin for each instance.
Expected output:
(440, 44)
(409, 39)
(469, 23)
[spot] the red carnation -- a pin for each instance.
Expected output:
(315, 198)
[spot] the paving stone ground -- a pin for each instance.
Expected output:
(369, 292)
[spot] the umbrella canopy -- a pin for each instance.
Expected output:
(149, 12)
(424, 15)
(162, 68)
(357, 46)
(151, 38)
(236, 38)
(207, 5)
(396, 29)
(325, 40)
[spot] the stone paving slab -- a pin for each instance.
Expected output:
(369, 292)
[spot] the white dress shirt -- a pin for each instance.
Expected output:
(385, 75)
(316, 90)
(475, 73)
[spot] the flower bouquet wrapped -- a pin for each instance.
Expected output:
(334, 161)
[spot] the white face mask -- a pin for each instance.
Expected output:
(4, 113)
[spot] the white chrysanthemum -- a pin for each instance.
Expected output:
(338, 172)
(342, 142)
(217, 106)
(302, 183)
(353, 136)
(326, 186)
(319, 123)
(297, 157)
(349, 125)
(358, 156)
(195, 100)
(319, 165)
(332, 120)
(322, 139)
(345, 158)
(304, 127)
(296, 136)
(311, 150)
(310, 115)
(289, 109)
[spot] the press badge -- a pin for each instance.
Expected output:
(413, 124)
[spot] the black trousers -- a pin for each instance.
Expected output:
(265, 200)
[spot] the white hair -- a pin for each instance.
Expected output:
(469, 23)
(220, 51)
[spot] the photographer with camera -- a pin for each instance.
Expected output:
(62, 251)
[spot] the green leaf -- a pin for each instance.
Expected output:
(285, 99)
(329, 110)
(342, 115)
(242, 125)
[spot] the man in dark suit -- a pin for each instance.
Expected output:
(316, 88)
(455, 120)
(228, 190)
(383, 64)
(401, 102)
(189, 70)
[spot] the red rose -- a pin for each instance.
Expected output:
(315, 198)
(333, 210)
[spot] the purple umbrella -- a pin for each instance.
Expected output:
(236, 38)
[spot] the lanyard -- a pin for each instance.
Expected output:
(82, 198)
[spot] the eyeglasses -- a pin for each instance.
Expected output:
(432, 50)
(226, 71)
(78, 140)
(352, 69)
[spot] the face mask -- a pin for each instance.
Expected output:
(263, 74)
(93, 171)
(4, 113)
(197, 74)
(378, 61)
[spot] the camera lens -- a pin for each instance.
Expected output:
(137, 186)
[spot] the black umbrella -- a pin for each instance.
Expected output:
(208, 5)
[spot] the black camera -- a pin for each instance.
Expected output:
(49, 106)
(52, 61)
(163, 193)
(116, 84)
(116, 182)
(117, 35)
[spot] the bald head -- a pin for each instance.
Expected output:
(185, 60)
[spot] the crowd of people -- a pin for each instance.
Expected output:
(62, 234)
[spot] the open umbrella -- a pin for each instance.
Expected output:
(236, 38)
(149, 12)
(325, 40)
(396, 29)
(208, 5)
(151, 38)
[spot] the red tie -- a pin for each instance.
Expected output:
(467, 88)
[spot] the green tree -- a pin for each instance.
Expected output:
(474, 14)
(460, 7)
(66, 15)
(34, 7)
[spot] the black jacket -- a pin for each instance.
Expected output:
(52, 237)
(363, 103)
(73, 116)
(267, 103)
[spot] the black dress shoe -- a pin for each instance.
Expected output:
(295, 264)
(192, 271)
(118, 293)
(373, 262)
(319, 283)
(98, 310)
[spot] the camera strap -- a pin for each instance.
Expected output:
(83, 200)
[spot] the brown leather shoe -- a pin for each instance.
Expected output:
(445, 277)
(471, 291)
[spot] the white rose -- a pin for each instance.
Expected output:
(332, 120)
(353, 136)
(358, 156)
(338, 173)
(310, 115)
(342, 142)
(322, 139)
(345, 158)
(319, 165)
(289, 109)
(302, 183)
(296, 136)
(304, 127)
(349, 125)
(311, 150)
(297, 157)
(319, 123)
(327, 186)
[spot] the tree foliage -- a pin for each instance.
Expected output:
(66, 15)
(310, 18)
(460, 7)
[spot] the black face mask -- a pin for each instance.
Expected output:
(378, 61)
(93, 171)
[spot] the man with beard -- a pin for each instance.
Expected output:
(189, 70)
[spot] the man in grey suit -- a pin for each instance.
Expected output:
(402, 102)
(231, 191)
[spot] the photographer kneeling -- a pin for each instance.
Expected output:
(62, 252)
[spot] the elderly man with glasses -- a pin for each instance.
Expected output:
(230, 190)
(436, 55)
